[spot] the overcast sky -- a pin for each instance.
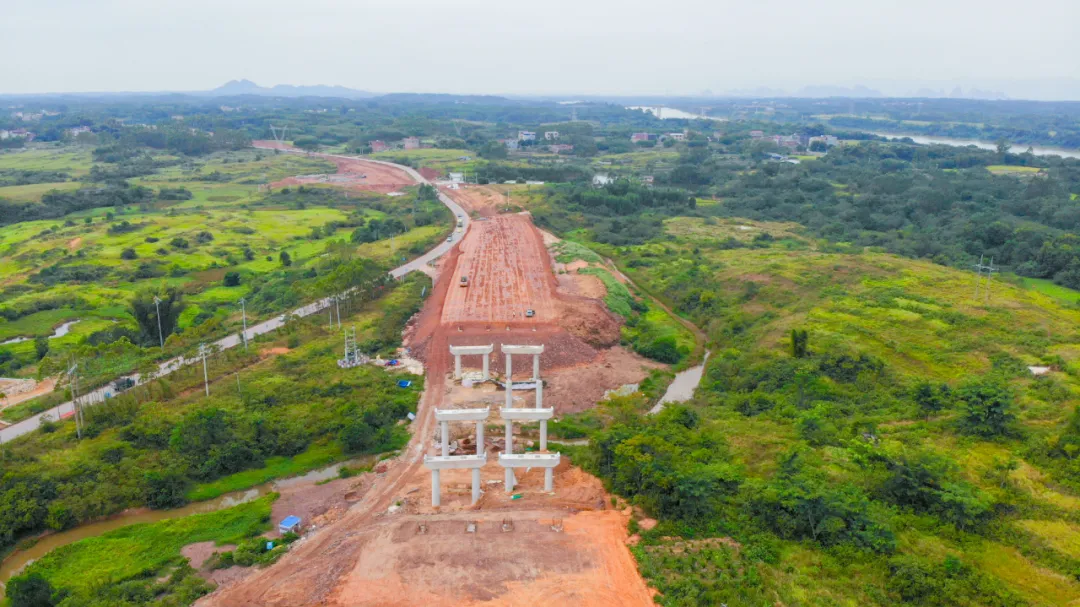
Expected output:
(541, 46)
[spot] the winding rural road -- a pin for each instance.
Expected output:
(421, 264)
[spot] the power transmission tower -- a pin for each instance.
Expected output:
(990, 269)
(979, 269)
(279, 136)
(978, 275)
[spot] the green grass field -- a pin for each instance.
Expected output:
(1000, 169)
(443, 160)
(74, 159)
(34, 192)
(247, 235)
(133, 552)
(1046, 286)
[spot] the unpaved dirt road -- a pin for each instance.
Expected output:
(503, 260)
(372, 556)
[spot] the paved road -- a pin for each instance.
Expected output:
(421, 263)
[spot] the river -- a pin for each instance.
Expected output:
(983, 145)
(666, 113)
(682, 387)
(16, 561)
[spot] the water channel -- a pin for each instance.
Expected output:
(60, 331)
(682, 387)
(17, 561)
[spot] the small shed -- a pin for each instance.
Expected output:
(290, 524)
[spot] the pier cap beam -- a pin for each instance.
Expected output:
(446, 462)
(472, 350)
(462, 415)
(526, 414)
(534, 350)
(529, 460)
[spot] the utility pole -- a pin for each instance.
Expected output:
(73, 372)
(205, 373)
(337, 305)
(990, 269)
(243, 313)
(157, 308)
(978, 275)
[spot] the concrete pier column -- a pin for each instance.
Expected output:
(475, 485)
(457, 366)
(539, 393)
(549, 480)
(487, 358)
(536, 367)
(435, 487)
(543, 435)
(480, 438)
(509, 382)
(445, 432)
(509, 482)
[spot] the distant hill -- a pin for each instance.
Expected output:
(247, 87)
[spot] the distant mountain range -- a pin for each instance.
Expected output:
(247, 87)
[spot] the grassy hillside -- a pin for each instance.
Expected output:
(906, 455)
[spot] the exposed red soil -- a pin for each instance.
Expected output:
(352, 173)
(504, 260)
(390, 547)
(578, 388)
(483, 200)
(199, 552)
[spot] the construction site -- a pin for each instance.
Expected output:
(479, 508)
(352, 174)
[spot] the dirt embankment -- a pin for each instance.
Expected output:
(482, 200)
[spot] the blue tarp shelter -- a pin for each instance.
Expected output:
(289, 524)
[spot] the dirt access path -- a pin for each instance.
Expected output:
(392, 548)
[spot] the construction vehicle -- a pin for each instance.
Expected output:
(464, 281)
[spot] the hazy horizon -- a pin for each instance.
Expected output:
(569, 48)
